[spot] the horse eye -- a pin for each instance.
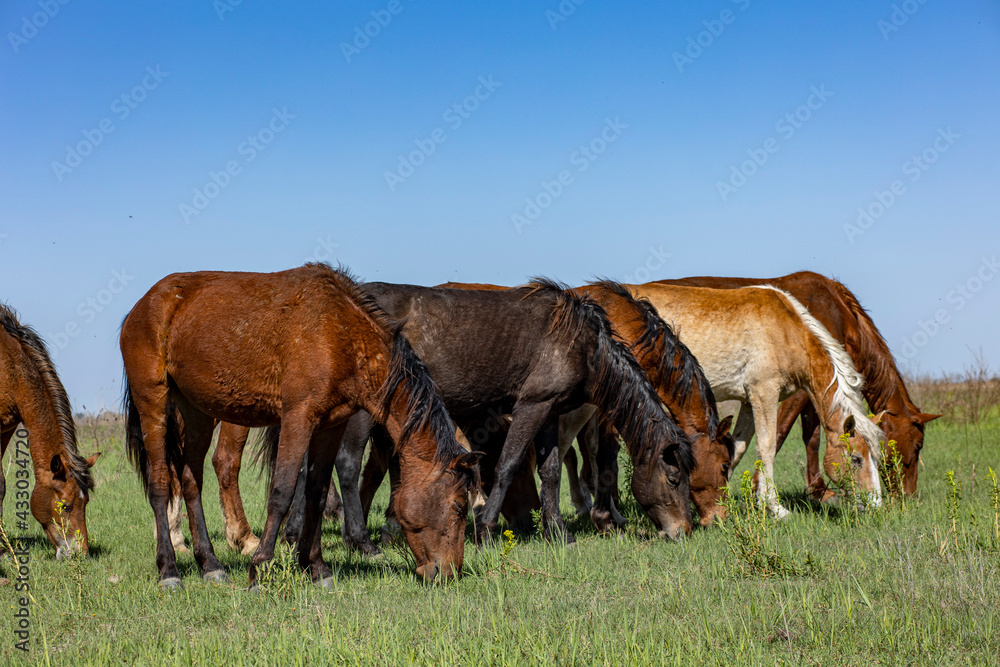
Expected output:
(856, 460)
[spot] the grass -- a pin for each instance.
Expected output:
(902, 585)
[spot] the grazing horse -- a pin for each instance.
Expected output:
(305, 348)
(758, 345)
(681, 386)
(839, 311)
(534, 353)
(31, 393)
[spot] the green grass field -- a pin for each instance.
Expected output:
(892, 586)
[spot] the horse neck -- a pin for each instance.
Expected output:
(36, 407)
(689, 414)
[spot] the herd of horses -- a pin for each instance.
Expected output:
(459, 393)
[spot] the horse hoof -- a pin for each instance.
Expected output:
(171, 584)
(216, 577)
(326, 583)
(781, 513)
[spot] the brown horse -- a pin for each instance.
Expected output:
(31, 393)
(758, 345)
(304, 348)
(839, 311)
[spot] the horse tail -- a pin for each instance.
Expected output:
(619, 387)
(135, 447)
(265, 455)
(847, 393)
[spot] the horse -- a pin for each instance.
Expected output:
(681, 386)
(31, 393)
(839, 310)
(305, 348)
(759, 345)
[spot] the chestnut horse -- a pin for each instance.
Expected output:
(305, 348)
(31, 393)
(534, 353)
(758, 345)
(839, 311)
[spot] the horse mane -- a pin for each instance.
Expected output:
(848, 380)
(621, 388)
(876, 359)
(683, 378)
(33, 346)
(425, 407)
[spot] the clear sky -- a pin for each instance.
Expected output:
(630, 140)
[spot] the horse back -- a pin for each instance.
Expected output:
(486, 347)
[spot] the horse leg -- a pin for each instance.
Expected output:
(319, 472)
(227, 461)
(811, 430)
(175, 515)
(604, 514)
(550, 471)
(570, 427)
(742, 433)
(526, 420)
(352, 450)
(588, 442)
(197, 439)
(788, 412)
(334, 508)
(764, 404)
(151, 403)
(296, 512)
(577, 487)
(293, 444)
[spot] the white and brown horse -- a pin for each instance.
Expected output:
(759, 345)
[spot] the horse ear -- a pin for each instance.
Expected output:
(924, 417)
(57, 468)
(849, 425)
(725, 425)
(467, 461)
(878, 418)
(92, 460)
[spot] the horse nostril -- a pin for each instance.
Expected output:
(428, 573)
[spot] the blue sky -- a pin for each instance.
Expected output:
(613, 140)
